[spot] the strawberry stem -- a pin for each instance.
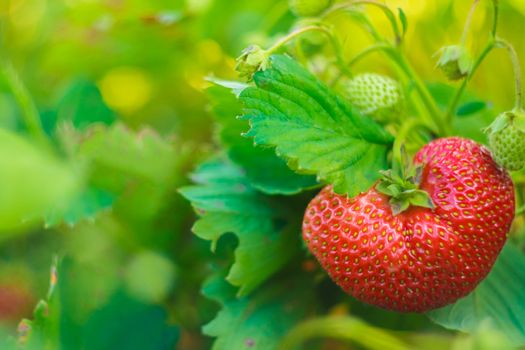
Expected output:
(490, 45)
(468, 22)
(344, 328)
(29, 112)
(326, 31)
(386, 10)
(517, 71)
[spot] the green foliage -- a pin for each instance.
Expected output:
(497, 302)
(257, 322)
(86, 204)
(121, 322)
(35, 181)
(265, 171)
(316, 131)
(82, 105)
(266, 231)
(142, 154)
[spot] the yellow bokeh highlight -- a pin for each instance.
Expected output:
(126, 89)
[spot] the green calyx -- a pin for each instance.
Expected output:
(251, 60)
(455, 62)
(404, 191)
(506, 137)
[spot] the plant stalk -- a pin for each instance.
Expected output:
(333, 40)
(28, 110)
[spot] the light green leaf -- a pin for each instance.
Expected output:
(228, 204)
(499, 301)
(32, 181)
(265, 171)
(314, 129)
(257, 322)
(84, 206)
(143, 154)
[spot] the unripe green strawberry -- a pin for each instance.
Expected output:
(455, 62)
(375, 95)
(309, 8)
(507, 139)
(251, 60)
(422, 258)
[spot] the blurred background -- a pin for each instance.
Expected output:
(142, 65)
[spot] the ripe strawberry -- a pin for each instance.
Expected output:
(309, 8)
(507, 140)
(377, 96)
(422, 258)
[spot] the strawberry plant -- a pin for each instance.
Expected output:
(321, 191)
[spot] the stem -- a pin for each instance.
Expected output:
(360, 56)
(496, 18)
(468, 22)
(457, 97)
(386, 10)
(398, 164)
(29, 112)
(335, 43)
(436, 120)
(517, 71)
(342, 328)
(459, 93)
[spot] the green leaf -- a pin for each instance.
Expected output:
(33, 181)
(121, 322)
(265, 171)
(82, 105)
(127, 324)
(471, 108)
(315, 130)
(257, 322)
(498, 301)
(143, 154)
(403, 19)
(84, 206)
(228, 204)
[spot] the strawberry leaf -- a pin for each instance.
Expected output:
(229, 204)
(265, 171)
(315, 130)
(86, 205)
(33, 181)
(497, 302)
(142, 154)
(257, 322)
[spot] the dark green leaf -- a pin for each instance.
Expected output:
(471, 125)
(228, 204)
(470, 108)
(499, 301)
(127, 324)
(265, 171)
(314, 129)
(257, 322)
(82, 105)
(403, 19)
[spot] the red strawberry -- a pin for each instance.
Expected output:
(422, 258)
